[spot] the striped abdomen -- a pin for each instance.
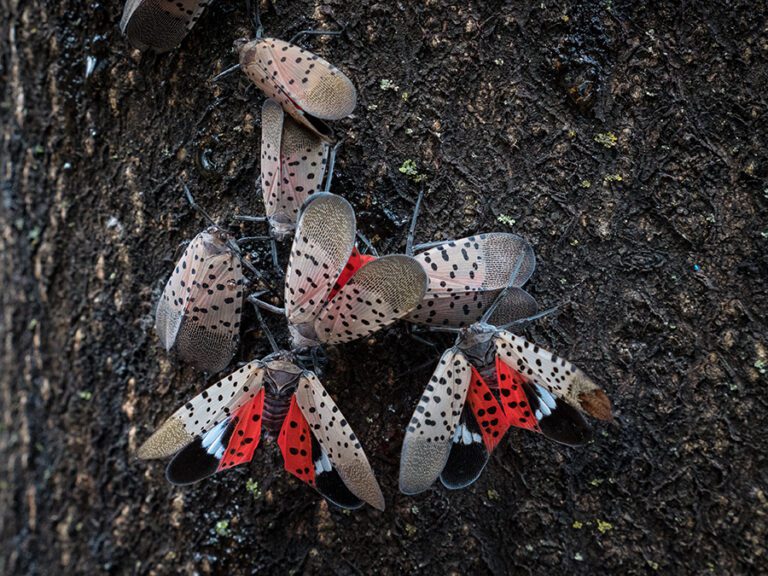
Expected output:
(275, 409)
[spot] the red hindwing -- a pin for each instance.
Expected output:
(487, 411)
(246, 435)
(295, 443)
(355, 262)
(513, 398)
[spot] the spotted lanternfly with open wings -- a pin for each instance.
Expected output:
(466, 276)
(306, 86)
(199, 311)
(221, 428)
(325, 304)
(460, 418)
(160, 24)
(293, 162)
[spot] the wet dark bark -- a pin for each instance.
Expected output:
(652, 246)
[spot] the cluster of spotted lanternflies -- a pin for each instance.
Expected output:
(489, 381)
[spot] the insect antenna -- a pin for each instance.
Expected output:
(264, 327)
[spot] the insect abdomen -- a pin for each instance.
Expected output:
(275, 410)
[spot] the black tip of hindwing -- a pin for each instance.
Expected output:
(196, 462)
(561, 423)
(468, 455)
(330, 485)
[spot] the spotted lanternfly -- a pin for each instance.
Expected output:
(221, 428)
(307, 87)
(325, 304)
(293, 162)
(466, 276)
(160, 25)
(199, 312)
(460, 418)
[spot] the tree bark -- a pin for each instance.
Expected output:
(626, 142)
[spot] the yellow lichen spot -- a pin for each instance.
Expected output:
(603, 526)
(222, 528)
(607, 139)
(253, 487)
(387, 84)
(504, 219)
(585, 184)
(577, 525)
(409, 168)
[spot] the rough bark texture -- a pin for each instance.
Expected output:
(653, 246)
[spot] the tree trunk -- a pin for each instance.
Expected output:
(627, 143)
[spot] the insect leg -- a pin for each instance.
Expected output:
(255, 17)
(368, 246)
(180, 249)
(512, 277)
(253, 270)
(412, 229)
(226, 72)
(275, 261)
(195, 206)
(332, 164)
(448, 329)
(303, 33)
(273, 250)
(252, 238)
(264, 327)
(318, 360)
(427, 245)
(413, 334)
(244, 218)
(265, 305)
(529, 318)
